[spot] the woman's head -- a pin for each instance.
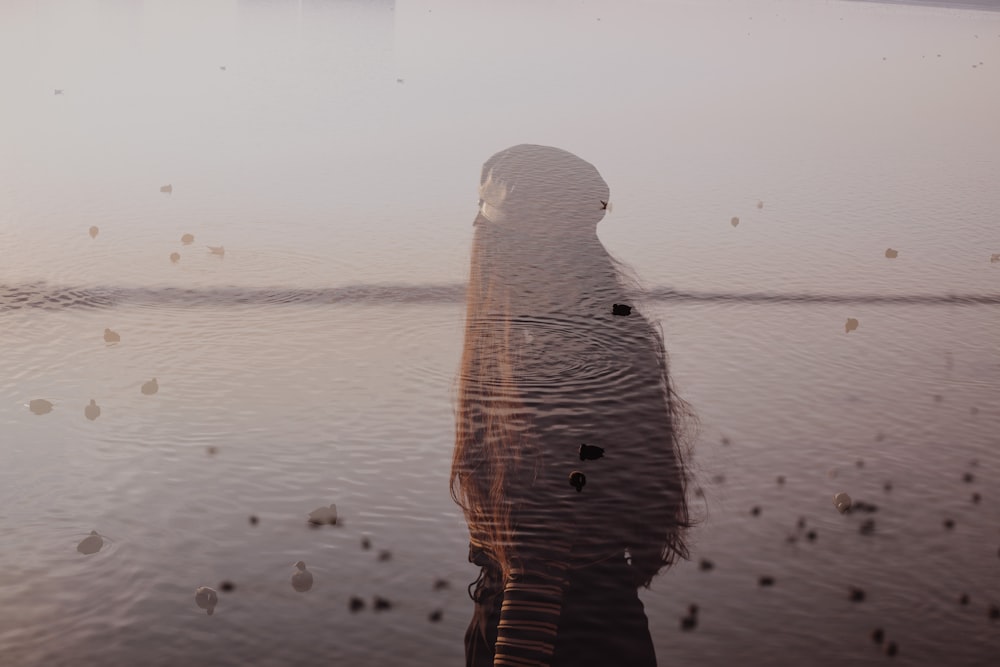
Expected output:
(541, 342)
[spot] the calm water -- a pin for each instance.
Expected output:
(336, 158)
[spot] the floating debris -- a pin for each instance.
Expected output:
(254, 520)
(994, 612)
(842, 502)
(40, 406)
(167, 188)
(590, 452)
(938, 398)
(381, 604)
(206, 598)
(441, 584)
(187, 239)
(891, 649)
(867, 527)
(706, 565)
(994, 258)
(94, 231)
(356, 604)
(302, 579)
(755, 510)
(400, 81)
(366, 543)
(92, 411)
(212, 450)
(227, 587)
(851, 325)
(605, 206)
(811, 535)
(860, 463)
(781, 480)
(222, 67)
(90, 544)
(968, 478)
(58, 91)
(856, 594)
(976, 497)
(735, 221)
(216, 249)
(384, 555)
(690, 622)
(949, 524)
(150, 388)
(435, 616)
(891, 254)
(887, 487)
(766, 581)
(324, 515)
(878, 635)
(621, 309)
(175, 257)
(760, 204)
(577, 480)
(964, 599)
(111, 336)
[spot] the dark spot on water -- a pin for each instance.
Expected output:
(781, 480)
(891, 649)
(949, 523)
(227, 587)
(976, 497)
(811, 536)
(964, 599)
(690, 622)
(766, 581)
(725, 441)
(994, 612)
(621, 309)
(212, 450)
(719, 479)
(366, 543)
(384, 555)
(254, 520)
(938, 398)
(356, 604)
(590, 452)
(802, 522)
(705, 565)
(878, 635)
(860, 463)
(968, 478)
(577, 480)
(381, 604)
(441, 584)
(435, 616)
(867, 527)
(879, 437)
(755, 511)
(887, 487)
(856, 594)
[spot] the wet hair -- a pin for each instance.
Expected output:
(506, 417)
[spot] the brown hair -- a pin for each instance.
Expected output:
(506, 422)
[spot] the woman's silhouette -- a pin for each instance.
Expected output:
(554, 371)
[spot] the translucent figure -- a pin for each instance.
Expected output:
(150, 388)
(891, 254)
(93, 231)
(187, 239)
(850, 325)
(92, 411)
(206, 598)
(90, 544)
(40, 406)
(302, 579)
(217, 249)
(175, 257)
(111, 336)
(167, 188)
(735, 221)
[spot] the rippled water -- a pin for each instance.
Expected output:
(314, 362)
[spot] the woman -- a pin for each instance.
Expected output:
(568, 463)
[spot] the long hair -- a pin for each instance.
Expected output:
(501, 440)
